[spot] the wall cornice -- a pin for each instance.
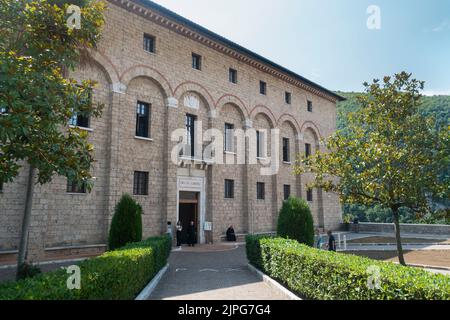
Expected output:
(181, 29)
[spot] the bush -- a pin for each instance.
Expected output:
(318, 274)
(295, 221)
(118, 275)
(126, 225)
(28, 270)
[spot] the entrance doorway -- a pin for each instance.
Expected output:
(188, 211)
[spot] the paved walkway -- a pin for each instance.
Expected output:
(212, 273)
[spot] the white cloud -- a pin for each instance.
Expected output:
(444, 25)
(436, 92)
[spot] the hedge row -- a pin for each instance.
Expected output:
(118, 275)
(319, 274)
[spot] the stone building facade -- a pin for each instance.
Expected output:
(151, 57)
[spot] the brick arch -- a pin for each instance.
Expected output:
(260, 109)
(105, 64)
(309, 125)
(191, 86)
(147, 72)
(234, 100)
(289, 119)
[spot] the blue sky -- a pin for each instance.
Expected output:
(328, 41)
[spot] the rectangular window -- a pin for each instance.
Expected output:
(232, 74)
(286, 151)
(78, 119)
(149, 43)
(286, 191)
(262, 87)
(307, 150)
(196, 61)
(309, 195)
(140, 183)
(310, 106)
(288, 97)
(75, 186)
(229, 137)
(229, 189)
(143, 120)
(260, 144)
(260, 191)
(190, 134)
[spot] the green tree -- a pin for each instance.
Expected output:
(388, 155)
(126, 224)
(37, 97)
(296, 222)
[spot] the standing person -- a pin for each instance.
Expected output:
(318, 239)
(179, 229)
(356, 224)
(331, 242)
(191, 234)
(169, 229)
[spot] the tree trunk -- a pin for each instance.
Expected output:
(26, 219)
(395, 214)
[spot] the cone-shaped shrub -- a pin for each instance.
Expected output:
(295, 221)
(126, 225)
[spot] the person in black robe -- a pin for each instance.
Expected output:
(231, 236)
(191, 234)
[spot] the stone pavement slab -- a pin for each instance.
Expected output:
(198, 274)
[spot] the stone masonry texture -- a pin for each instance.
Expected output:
(165, 79)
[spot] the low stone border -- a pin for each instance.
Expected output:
(273, 284)
(148, 290)
(355, 244)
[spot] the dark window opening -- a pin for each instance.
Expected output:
(307, 150)
(286, 191)
(140, 183)
(288, 97)
(286, 153)
(233, 76)
(229, 137)
(196, 61)
(310, 106)
(262, 87)
(260, 191)
(76, 186)
(149, 43)
(143, 120)
(190, 134)
(229, 189)
(309, 195)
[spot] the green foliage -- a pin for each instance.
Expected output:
(295, 221)
(389, 154)
(347, 218)
(379, 214)
(116, 275)
(126, 224)
(324, 275)
(37, 98)
(436, 106)
(28, 270)
(253, 249)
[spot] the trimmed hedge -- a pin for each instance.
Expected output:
(324, 275)
(126, 224)
(118, 275)
(296, 222)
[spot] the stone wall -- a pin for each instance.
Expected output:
(425, 229)
(125, 74)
